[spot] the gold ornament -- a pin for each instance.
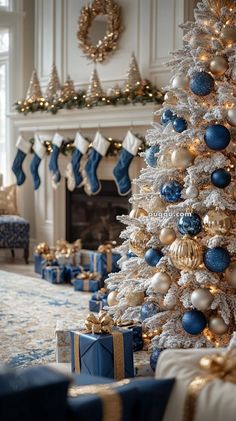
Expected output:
(201, 299)
(167, 236)
(156, 205)
(138, 241)
(160, 282)
(138, 212)
(111, 298)
(217, 325)
(218, 65)
(133, 78)
(216, 222)
(170, 98)
(68, 90)
(34, 91)
(53, 91)
(108, 44)
(180, 82)
(135, 298)
(228, 35)
(186, 253)
(230, 275)
(231, 116)
(192, 192)
(181, 158)
(94, 91)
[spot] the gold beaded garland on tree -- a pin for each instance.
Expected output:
(138, 242)
(186, 253)
(218, 65)
(138, 212)
(167, 236)
(111, 298)
(135, 298)
(230, 275)
(216, 222)
(181, 158)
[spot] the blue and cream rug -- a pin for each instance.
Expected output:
(29, 310)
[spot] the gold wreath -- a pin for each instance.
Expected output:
(108, 44)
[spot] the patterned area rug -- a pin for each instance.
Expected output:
(29, 311)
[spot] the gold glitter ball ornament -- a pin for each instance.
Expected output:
(181, 158)
(216, 222)
(138, 212)
(167, 236)
(218, 65)
(138, 242)
(111, 298)
(186, 253)
(217, 325)
(156, 205)
(135, 298)
(230, 275)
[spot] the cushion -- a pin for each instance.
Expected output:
(8, 200)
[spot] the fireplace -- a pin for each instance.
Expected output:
(93, 218)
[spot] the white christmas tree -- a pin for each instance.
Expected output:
(179, 276)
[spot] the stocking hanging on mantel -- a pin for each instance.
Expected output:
(23, 147)
(94, 91)
(73, 174)
(99, 149)
(130, 147)
(34, 92)
(53, 163)
(39, 152)
(53, 91)
(133, 78)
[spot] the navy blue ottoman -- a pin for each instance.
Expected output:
(14, 233)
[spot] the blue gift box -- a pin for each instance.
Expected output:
(57, 274)
(137, 337)
(95, 306)
(36, 393)
(136, 400)
(86, 285)
(94, 353)
(38, 263)
(99, 262)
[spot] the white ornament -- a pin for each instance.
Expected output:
(201, 299)
(231, 116)
(180, 82)
(217, 325)
(192, 192)
(161, 282)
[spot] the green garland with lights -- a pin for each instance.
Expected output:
(143, 94)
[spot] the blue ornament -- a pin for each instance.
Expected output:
(171, 191)
(180, 124)
(149, 309)
(167, 116)
(150, 155)
(189, 224)
(201, 83)
(194, 322)
(130, 254)
(154, 357)
(216, 259)
(221, 178)
(152, 256)
(217, 137)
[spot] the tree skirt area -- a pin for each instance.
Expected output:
(29, 311)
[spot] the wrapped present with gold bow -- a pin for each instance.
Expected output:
(206, 384)
(40, 252)
(104, 260)
(68, 253)
(98, 300)
(57, 274)
(87, 281)
(102, 349)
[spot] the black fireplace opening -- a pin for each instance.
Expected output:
(93, 218)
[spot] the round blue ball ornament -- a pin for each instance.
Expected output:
(221, 178)
(216, 259)
(201, 83)
(150, 155)
(194, 322)
(152, 256)
(171, 191)
(149, 309)
(154, 358)
(189, 224)
(180, 124)
(217, 137)
(167, 116)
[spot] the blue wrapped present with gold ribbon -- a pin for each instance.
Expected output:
(104, 260)
(38, 258)
(98, 300)
(57, 274)
(87, 281)
(94, 398)
(40, 253)
(137, 332)
(102, 349)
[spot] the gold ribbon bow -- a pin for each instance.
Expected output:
(216, 366)
(88, 275)
(105, 248)
(63, 248)
(101, 324)
(124, 323)
(42, 248)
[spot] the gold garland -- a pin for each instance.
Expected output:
(107, 45)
